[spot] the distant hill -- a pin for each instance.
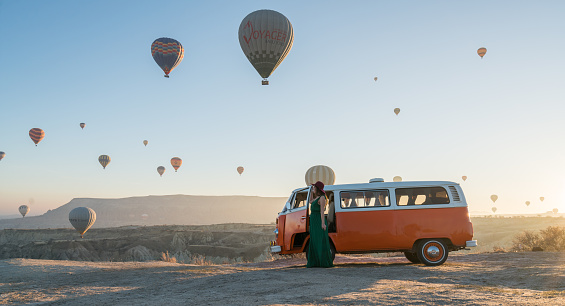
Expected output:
(160, 210)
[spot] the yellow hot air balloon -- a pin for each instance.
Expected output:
(176, 162)
(527, 203)
(464, 177)
(482, 51)
(321, 173)
(240, 170)
(161, 170)
(541, 198)
(145, 142)
(494, 197)
(397, 179)
(104, 160)
(397, 111)
(494, 209)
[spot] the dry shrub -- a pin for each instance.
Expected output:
(167, 258)
(549, 239)
(200, 260)
(498, 249)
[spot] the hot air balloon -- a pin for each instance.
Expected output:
(494, 197)
(167, 53)
(176, 162)
(240, 170)
(540, 198)
(36, 134)
(321, 173)
(24, 209)
(375, 78)
(397, 111)
(397, 179)
(144, 216)
(266, 38)
(527, 203)
(161, 170)
(82, 218)
(104, 160)
(145, 142)
(494, 209)
(464, 177)
(481, 52)
(82, 125)
(2, 154)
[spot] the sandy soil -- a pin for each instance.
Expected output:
(480, 279)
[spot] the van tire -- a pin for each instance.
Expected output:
(412, 257)
(432, 252)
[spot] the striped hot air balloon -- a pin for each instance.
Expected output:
(240, 170)
(82, 218)
(321, 173)
(36, 134)
(266, 38)
(397, 111)
(482, 51)
(167, 53)
(176, 162)
(104, 160)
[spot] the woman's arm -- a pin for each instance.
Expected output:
(322, 202)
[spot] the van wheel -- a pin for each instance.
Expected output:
(412, 257)
(432, 252)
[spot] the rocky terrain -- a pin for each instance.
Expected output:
(222, 243)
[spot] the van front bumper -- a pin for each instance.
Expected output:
(471, 243)
(275, 248)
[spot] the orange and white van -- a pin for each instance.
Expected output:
(425, 220)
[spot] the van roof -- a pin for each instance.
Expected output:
(379, 185)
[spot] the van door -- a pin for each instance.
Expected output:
(296, 220)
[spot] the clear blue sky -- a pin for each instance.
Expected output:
(498, 120)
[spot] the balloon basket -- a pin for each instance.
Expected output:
(264, 82)
(167, 76)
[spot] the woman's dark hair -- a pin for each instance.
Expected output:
(318, 192)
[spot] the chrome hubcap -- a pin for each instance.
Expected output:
(432, 251)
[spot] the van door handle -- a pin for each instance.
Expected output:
(303, 218)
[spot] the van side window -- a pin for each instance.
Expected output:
(421, 196)
(300, 200)
(364, 198)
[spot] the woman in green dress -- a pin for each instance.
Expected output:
(319, 252)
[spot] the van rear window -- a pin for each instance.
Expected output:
(364, 198)
(421, 196)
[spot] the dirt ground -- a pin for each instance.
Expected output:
(479, 279)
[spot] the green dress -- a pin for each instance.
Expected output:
(319, 253)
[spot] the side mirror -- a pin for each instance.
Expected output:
(287, 206)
